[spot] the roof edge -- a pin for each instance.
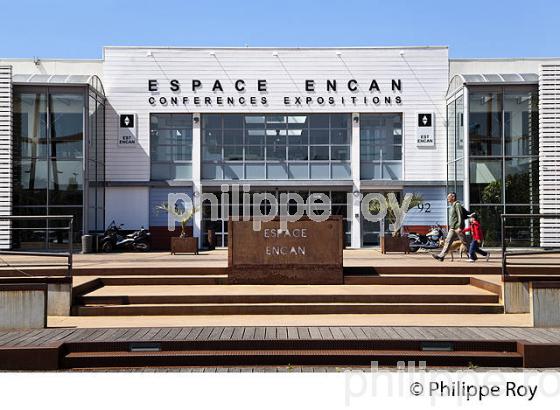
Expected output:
(54, 60)
(278, 48)
(489, 59)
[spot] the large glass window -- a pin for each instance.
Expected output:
(503, 162)
(48, 169)
(486, 181)
(381, 146)
(96, 163)
(171, 146)
(276, 146)
(455, 148)
(485, 122)
(521, 122)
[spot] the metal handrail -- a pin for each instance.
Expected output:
(70, 228)
(505, 253)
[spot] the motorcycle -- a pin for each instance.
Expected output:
(113, 239)
(429, 241)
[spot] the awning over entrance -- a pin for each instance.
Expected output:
(460, 80)
(92, 80)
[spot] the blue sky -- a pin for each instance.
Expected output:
(474, 28)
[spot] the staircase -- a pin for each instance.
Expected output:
(210, 295)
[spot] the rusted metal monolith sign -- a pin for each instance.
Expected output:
(307, 252)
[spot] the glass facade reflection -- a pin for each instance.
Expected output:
(96, 163)
(171, 146)
(503, 162)
(455, 147)
(381, 146)
(276, 146)
(49, 163)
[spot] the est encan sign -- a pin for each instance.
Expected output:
(425, 135)
(127, 130)
(306, 253)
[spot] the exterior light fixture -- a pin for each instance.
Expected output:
(339, 53)
(356, 119)
(401, 53)
(149, 53)
(212, 53)
(196, 119)
(275, 54)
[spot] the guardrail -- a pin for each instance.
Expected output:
(535, 246)
(69, 227)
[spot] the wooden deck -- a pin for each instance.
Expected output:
(215, 263)
(54, 349)
(43, 337)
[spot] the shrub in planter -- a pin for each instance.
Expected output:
(394, 242)
(183, 243)
(390, 243)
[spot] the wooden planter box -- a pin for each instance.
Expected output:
(184, 245)
(394, 244)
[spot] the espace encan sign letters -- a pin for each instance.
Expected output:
(127, 130)
(348, 92)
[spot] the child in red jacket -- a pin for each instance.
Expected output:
(477, 238)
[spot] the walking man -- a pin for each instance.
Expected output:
(456, 223)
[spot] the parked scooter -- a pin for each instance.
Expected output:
(431, 240)
(113, 239)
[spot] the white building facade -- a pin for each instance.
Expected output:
(158, 120)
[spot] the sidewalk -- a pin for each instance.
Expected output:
(218, 258)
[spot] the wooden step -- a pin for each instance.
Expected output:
(288, 357)
(405, 280)
(286, 309)
(148, 271)
(164, 280)
(259, 351)
(285, 298)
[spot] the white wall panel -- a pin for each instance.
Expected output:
(128, 205)
(423, 72)
(549, 152)
(434, 210)
(5, 153)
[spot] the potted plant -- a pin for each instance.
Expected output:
(183, 243)
(394, 242)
